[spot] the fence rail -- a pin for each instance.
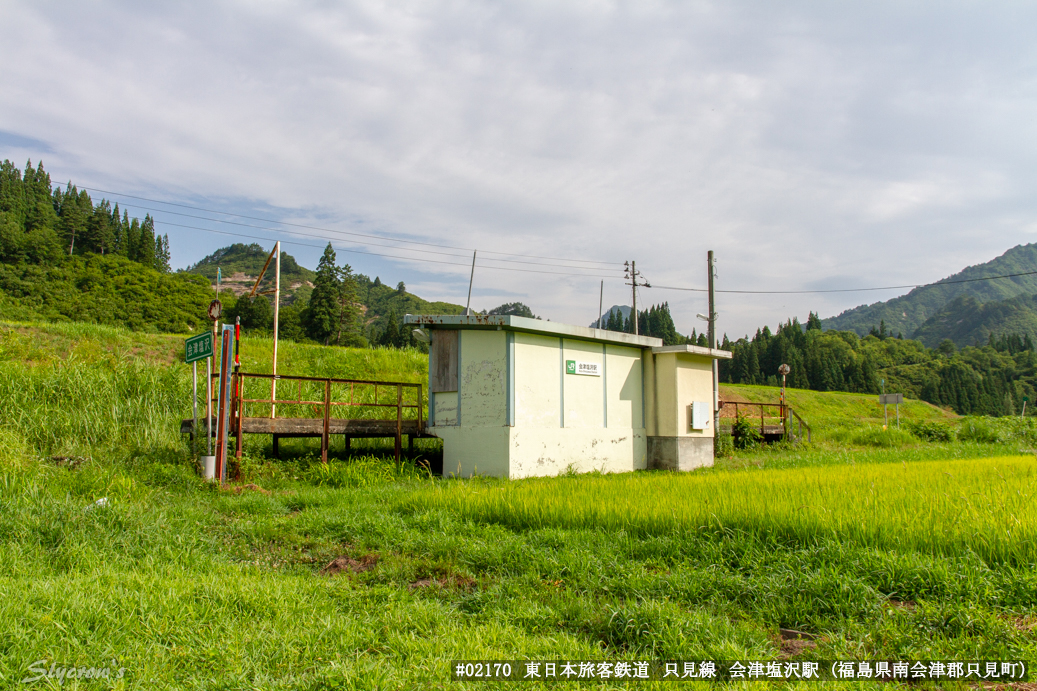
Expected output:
(379, 408)
(781, 417)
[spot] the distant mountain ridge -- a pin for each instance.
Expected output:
(966, 321)
(908, 313)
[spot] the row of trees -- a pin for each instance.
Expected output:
(40, 225)
(655, 321)
(988, 380)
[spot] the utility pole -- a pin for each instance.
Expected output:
(633, 275)
(601, 295)
(471, 279)
(711, 267)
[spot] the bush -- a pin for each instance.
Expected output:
(978, 430)
(745, 433)
(930, 431)
(891, 438)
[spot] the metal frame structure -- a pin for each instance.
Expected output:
(395, 427)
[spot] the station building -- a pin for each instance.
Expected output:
(517, 397)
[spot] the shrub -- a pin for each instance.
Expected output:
(891, 438)
(978, 430)
(930, 431)
(745, 433)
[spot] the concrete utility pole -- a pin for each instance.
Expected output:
(713, 339)
(633, 274)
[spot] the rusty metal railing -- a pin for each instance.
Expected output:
(366, 396)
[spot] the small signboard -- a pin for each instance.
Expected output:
(590, 369)
(198, 347)
(891, 399)
(215, 310)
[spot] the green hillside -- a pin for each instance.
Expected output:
(908, 313)
(829, 409)
(967, 321)
(380, 301)
(240, 264)
(104, 289)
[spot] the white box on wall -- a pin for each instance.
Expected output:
(699, 414)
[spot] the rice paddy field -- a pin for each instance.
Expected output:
(116, 557)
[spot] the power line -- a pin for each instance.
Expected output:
(363, 244)
(343, 232)
(388, 256)
(850, 290)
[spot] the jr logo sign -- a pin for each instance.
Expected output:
(590, 369)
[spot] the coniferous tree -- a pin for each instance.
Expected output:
(324, 310)
(349, 309)
(146, 242)
(162, 253)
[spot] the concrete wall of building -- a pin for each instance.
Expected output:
(471, 451)
(538, 388)
(540, 452)
(583, 397)
(483, 370)
(694, 382)
(623, 385)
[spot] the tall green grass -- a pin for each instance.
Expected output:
(983, 506)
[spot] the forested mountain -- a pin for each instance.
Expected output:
(907, 314)
(966, 321)
(990, 380)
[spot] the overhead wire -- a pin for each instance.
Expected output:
(601, 264)
(341, 232)
(849, 290)
(362, 244)
(390, 256)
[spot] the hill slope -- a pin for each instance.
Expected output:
(906, 314)
(240, 264)
(107, 289)
(966, 321)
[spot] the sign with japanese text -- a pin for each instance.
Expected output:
(590, 369)
(198, 347)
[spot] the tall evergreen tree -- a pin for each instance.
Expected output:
(146, 242)
(349, 309)
(324, 311)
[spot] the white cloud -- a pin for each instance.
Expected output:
(809, 145)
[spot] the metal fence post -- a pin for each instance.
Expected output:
(327, 422)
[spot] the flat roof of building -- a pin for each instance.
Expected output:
(542, 327)
(714, 353)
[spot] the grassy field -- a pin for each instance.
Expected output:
(924, 551)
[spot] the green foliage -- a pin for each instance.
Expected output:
(890, 438)
(745, 433)
(363, 471)
(325, 309)
(877, 545)
(978, 430)
(723, 445)
(107, 289)
(516, 309)
(984, 381)
(380, 300)
(981, 507)
(930, 431)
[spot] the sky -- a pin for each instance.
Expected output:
(811, 145)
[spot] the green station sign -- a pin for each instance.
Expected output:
(198, 347)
